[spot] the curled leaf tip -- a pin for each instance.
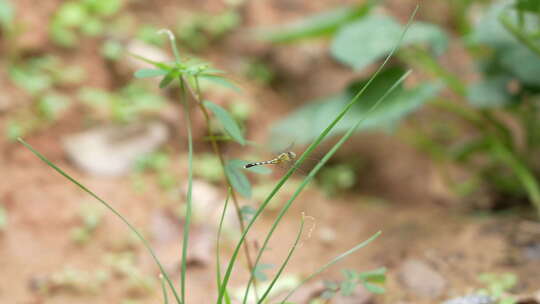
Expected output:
(167, 32)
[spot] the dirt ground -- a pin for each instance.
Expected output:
(401, 195)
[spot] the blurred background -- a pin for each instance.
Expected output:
(447, 166)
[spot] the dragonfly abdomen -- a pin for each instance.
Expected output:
(267, 162)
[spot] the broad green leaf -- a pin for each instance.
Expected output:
(145, 73)
(319, 25)
(229, 124)
(374, 276)
(238, 179)
(490, 93)
(365, 41)
(221, 81)
(303, 125)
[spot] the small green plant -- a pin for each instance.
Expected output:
(90, 217)
(158, 163)
(497, 286)
(42, 78)
(188, 74)
(81, 17)
(371, 280)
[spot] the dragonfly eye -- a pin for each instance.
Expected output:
(292, 155)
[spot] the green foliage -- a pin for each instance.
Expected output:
(320, 25)
(338, 178)
(130, 103)
(228, 123)
(369, 39)
(197, 31)
(370, 280)
(91, 217)
(498, 285)
(239, 181)
(7, 15)
(309, 120)
(86, 17)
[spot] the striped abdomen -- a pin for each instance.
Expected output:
(267, 162)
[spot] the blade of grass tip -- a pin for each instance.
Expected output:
(284, 264)
(304, 155)
(108, 206)
(172, 40)
(218, 239)
(187, 221)
(164, 289)
(319, 165)
(332, 262)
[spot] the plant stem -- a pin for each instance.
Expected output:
(217, 151)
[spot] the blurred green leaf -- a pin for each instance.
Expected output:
(305, 124)
(528, 5)
(247, 212)
(238, 179)
(71, 14)
(52, 105)
(103, 7)
(490, 93)
(146, 73)
(361, 43)
(112, 50)
(376, 289)
(221, 81)
(229, 124)
(168, 79)
(7, 14)
(319, 25)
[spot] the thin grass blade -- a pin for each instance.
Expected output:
(108, 206)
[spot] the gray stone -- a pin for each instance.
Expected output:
(112, 150)
(421, 279)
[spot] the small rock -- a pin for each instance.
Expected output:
(327, 235)
(472, 299)
(421, 279)
(112, 151)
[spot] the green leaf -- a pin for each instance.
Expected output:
(528, 5)
(7, 13)
(146, 73)
(374, 276)
(238, 179)
(229, 124)
(347, 287)
(318, 25)
(52, 105)
(305, 124)
(247, 212)
(365, 41)
(490, 93)
(373, 288)
(167, 79)
(221, 81)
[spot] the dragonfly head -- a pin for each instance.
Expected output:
(291, 155)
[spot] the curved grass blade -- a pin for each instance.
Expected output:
(319, 165)
(147, 73)
(282, 267)
(218, 240)
(164, 289)
(104, 203)
(302, 157)
(187, 222)
(332, 262)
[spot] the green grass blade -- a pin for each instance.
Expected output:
(218, 239)
(332, 262)
(187, 221)
(99, 199)
(284, 264)
(305, 155)
(319, 165)
(164, 290)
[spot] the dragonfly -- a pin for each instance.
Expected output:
(285, 157)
